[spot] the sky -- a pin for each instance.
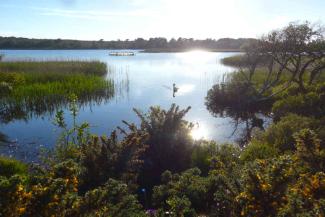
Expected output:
(130, 19)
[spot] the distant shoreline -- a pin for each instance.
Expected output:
(180, 50)
(152, 50)
(152, 45)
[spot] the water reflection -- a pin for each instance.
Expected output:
(28, 108)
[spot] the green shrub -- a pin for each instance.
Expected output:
(10, 167)
(309, 103)
(202, 154)
(256, 150)
(281, 134)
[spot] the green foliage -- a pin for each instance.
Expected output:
(180, 207)
(180, 193)
(103, 158)
(308, 103)
(71, 138)
(202, 153)
(281, 134)
(256, 150)
(10, 167)
(213, 194)
(309, 150)
(113, 199)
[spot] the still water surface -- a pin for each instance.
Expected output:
(140, 81)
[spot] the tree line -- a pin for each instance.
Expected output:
(139, 43)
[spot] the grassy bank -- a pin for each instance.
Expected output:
(242, 61)
(75, 66)
(237, 60)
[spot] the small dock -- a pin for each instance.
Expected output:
(122, 54)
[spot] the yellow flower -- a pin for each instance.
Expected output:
(75, 180)
(28, 195)
(306, 191)
(55, 197)
(22, 210)
(315, 182)
(265, 186)
(20, 188)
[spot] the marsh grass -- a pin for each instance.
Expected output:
(67, 67)
(29, 88)
(39, 85)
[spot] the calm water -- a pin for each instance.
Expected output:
(141, 81)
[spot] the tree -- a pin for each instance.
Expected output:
(297, 50)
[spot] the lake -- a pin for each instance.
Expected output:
(141, 81)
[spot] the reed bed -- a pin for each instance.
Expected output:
(71, 66)
(29, 82)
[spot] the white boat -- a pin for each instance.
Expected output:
(122, 54)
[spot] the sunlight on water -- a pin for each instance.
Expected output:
(194, 56)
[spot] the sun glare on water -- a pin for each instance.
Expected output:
(194, 56)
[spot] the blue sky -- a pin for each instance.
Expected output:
(130, 19)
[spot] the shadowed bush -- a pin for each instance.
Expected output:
(169, 143)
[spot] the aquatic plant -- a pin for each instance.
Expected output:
(27, 92)
(55, 66)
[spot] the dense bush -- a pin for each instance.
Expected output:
(256, 150)
(10, 167)
(169, 143)
(309, 103)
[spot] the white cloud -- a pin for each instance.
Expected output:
(93, 15)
